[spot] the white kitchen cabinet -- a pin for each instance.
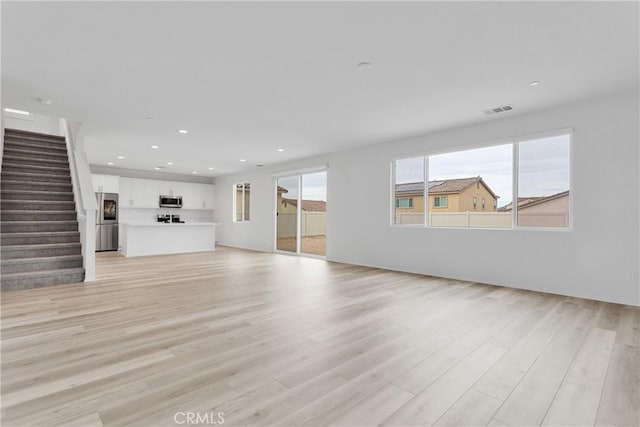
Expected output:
(139, 193)
(133, 193)
(145, 193)
(197, 196)
(191, 196)
(153, 193)
(105, 183)
(170, 188)
(208, 197)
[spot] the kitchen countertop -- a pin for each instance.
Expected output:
(162, 224)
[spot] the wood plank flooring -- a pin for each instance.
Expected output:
(268, 339)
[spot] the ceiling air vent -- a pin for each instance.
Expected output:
(498, 109)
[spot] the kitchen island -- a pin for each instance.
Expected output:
(139, 239)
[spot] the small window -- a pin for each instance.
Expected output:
(440, 202)
(475, 202)
(404, 203)
(241, 202)
(483, 203)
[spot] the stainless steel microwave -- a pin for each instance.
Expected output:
(170, 201)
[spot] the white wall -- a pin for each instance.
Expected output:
(33, 123)
(593, 260)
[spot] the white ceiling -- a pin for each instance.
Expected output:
(248, 78)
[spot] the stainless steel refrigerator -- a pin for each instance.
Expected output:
(107, 222)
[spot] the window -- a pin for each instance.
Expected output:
(467, 177)
(540, 167)
(408, 180)
(440, 201)
(404, 203)
(241, 202)
(543, 182)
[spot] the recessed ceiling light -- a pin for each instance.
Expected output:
(183, 131)
(280, 149)
(157, 168)
(13, 110)
(534, 83)
(210, 168)
(194, 172)
(155, 146)
(110, 163)
(121, 157)
(365, 66)
(243, 160)
(170, 163)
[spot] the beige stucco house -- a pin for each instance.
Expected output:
(451, 195)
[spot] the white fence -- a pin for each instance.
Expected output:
(486, 219)
(313, 224)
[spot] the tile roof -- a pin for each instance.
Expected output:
(441, 186)
(525, 202)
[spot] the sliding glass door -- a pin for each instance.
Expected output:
(287, 214)
(301, 213)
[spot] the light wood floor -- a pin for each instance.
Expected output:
(272, 339)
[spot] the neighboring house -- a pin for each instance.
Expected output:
(450, 195)
(557, 202)
(542, 211)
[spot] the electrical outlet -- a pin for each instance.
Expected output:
(631, 275)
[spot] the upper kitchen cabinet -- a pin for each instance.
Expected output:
(105, 183)
(153, 193)
(133, 193)
(170, 188)
(208, 196)
(197, 196)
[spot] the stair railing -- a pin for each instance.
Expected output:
(85, 201)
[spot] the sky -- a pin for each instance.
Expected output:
(543, 164)
(314, 186)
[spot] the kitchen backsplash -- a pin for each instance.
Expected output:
(150, 215)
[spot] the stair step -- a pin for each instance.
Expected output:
(36, 279)
(25, 215)
(36, 195)
(25, 265)
(39, 238)
(53, 139)
(34, 153)
(37, 205)
(43, 143)
(35, 186)
(37, 226)
(47, 170)
(34, 177)
(30, 134)
(31, 161)
(35, 145)
(39, 251)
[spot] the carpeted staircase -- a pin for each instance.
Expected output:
(39, 238)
